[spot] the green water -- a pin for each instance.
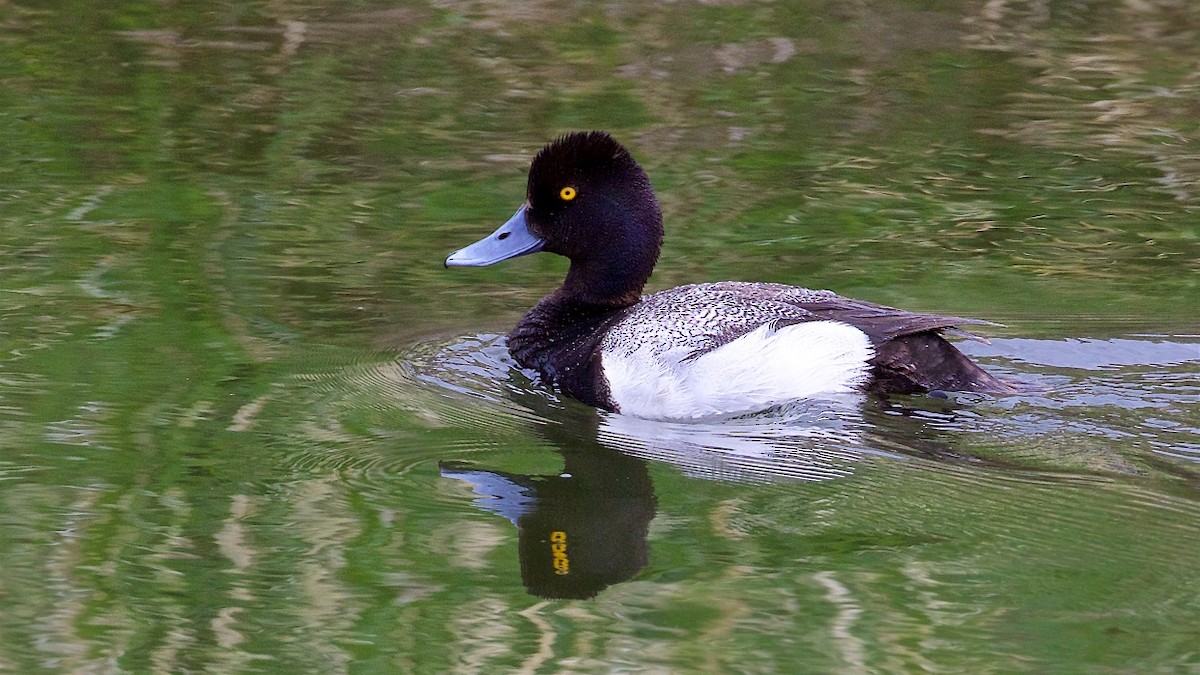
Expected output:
(251, 424)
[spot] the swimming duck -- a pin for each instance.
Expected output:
(695, 351)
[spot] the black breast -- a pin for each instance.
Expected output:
(561, 340)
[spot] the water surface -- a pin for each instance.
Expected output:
(251, 424)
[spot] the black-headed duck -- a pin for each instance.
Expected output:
(693, 351)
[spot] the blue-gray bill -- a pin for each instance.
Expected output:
(510, 240)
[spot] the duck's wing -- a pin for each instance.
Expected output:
(911, 353)
(882, 323)
(686, 322)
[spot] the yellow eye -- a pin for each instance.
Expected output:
(567, 193)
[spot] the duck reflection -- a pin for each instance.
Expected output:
(580, 530)
(585, 528)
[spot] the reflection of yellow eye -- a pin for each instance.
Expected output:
(567, 193)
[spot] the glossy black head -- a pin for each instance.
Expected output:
(586, 199)
(592, 203)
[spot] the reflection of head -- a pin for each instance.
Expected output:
(580, 531)
(581, 537)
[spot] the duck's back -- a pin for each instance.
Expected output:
(688, 321)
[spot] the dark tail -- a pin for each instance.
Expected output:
(925, 361)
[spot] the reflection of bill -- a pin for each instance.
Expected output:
(580, 531)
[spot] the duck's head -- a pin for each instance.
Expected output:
(587, 199)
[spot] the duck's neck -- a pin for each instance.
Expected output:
(613, 259)
(603, 286)
(559, 323)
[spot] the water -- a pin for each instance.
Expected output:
(251, 424)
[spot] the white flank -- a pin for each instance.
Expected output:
(763, 368)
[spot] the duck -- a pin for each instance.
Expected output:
(703, 350)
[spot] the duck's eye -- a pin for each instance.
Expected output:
(567, 193)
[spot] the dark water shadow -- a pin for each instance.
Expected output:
(580, 530)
